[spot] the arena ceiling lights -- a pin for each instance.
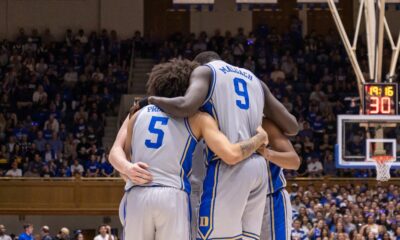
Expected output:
(193, 5)
(193, 2)
(257, 5)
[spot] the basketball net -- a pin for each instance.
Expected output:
(383, 165)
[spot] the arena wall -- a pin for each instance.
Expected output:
(125, 16)
(224, 17)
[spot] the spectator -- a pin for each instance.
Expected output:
(63, 234)
(103, 234)
(40, 142)
(3, 235)
(35, 167)
(71, 77)
(46, 233)
(27, 234)
(349, 226)
(52, 124)
(81, 37)
(77, 168)
(64, 170)
(49, 154)
(92, 168)
(315, 167)
(277, 74)
(109, 232)
(55, 143)
(79, 236)
(107, 169)
(14, 171)
(316, 232)
(297, 233)
(39, 97)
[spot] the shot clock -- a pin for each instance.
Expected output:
(380, 99)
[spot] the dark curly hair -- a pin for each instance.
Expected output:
(170, 79)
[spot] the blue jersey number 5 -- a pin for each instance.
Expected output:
(241, 90)
(156, 131)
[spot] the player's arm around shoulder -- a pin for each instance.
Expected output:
(204, 126)
(119, 156)
(282, 152)
(194, 98)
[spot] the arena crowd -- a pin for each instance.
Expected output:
(56, 94)
(338, 212)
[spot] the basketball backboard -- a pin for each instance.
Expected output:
(363, 138)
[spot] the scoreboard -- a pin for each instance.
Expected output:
(380, 99)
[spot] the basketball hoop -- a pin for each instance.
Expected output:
(383, 165)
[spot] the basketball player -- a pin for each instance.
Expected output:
(235, 98)
(160, 209)
(277, 221)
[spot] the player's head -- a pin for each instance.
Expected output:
(170, 79)
(206, 57)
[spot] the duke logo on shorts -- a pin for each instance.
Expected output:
(233, 197)
(160, 209)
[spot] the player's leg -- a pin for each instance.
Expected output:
(171, 214)
(222, 202)
(277, 220)
(267, 223)
(254, 211)
(137, 214)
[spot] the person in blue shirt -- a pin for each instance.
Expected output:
(316, 232)
(107, 169)
(27, 234)
(93, 167)
(297, 232)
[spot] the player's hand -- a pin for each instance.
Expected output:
(135, 107)
(138, 173)
(261, 150)
(261, 130)
(151, 99)
(123, 176)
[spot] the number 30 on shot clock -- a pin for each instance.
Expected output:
(380, 99)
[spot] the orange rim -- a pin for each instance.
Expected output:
(382, 159)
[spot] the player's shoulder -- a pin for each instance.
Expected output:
(202, 69)
(202, 119)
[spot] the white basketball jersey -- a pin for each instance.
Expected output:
(235, 100)
(166, 144)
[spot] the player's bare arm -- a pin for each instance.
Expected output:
(204, 126)
(281, 152)
(194, 98)
(275, 111)
(136, 172)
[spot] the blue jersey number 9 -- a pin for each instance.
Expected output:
(156, 131)
(241, 90)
